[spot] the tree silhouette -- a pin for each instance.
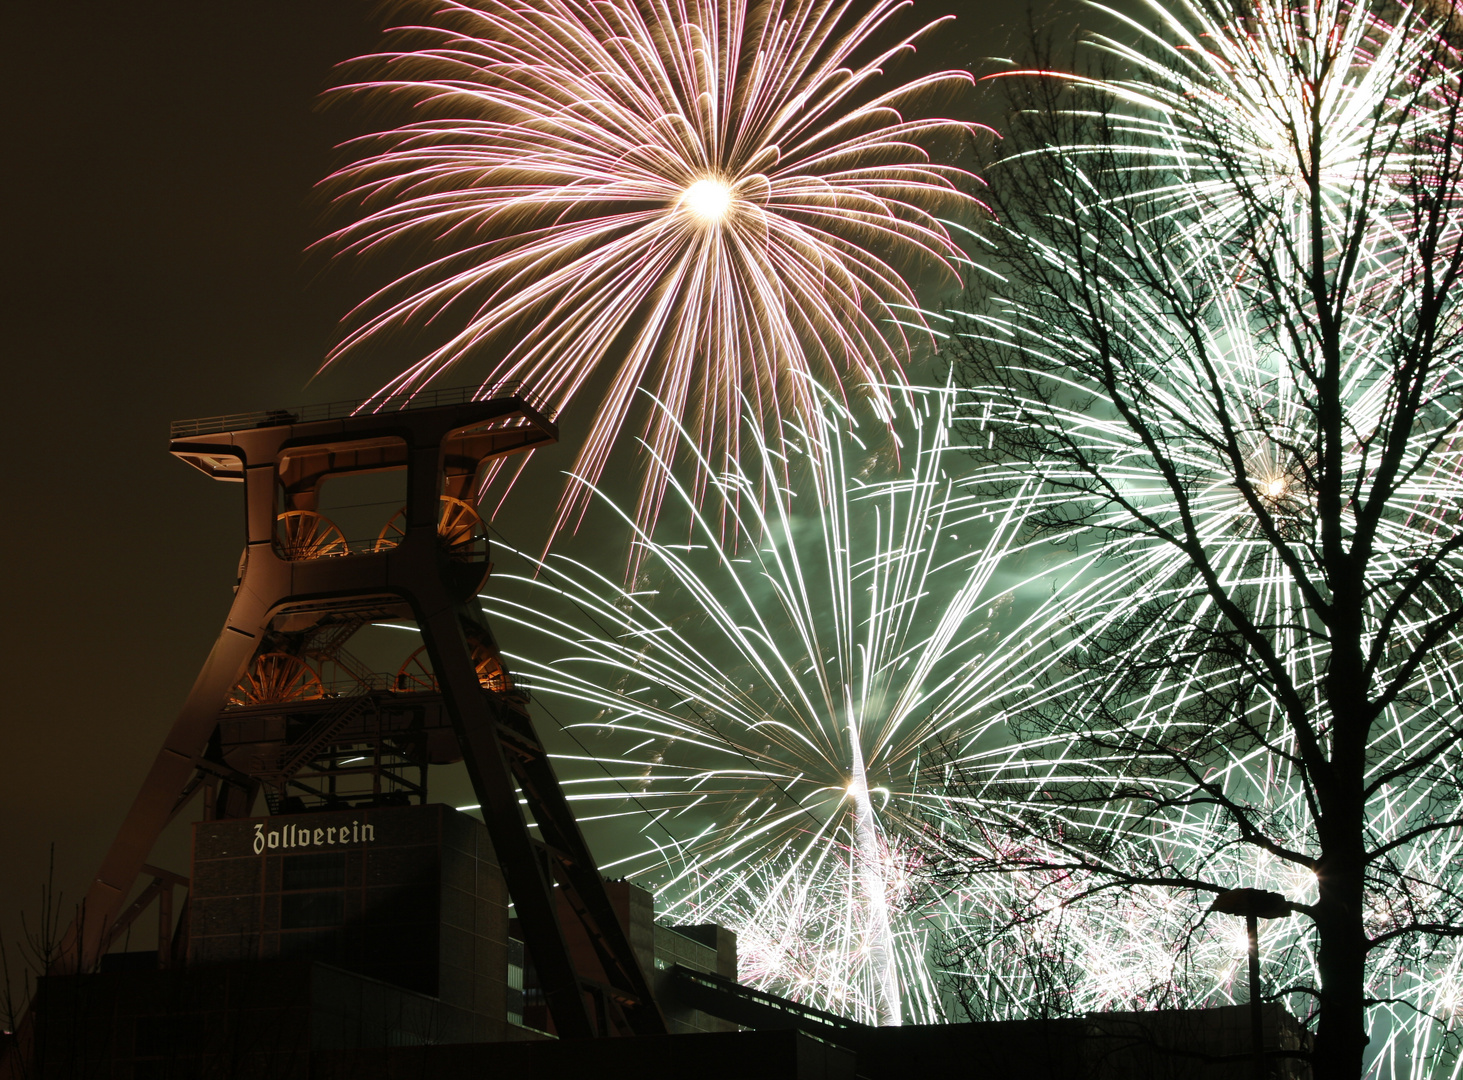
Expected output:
(1216, 322)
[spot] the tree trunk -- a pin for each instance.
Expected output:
(1341, 954)
(1341, 1037)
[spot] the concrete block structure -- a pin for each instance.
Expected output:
(411, 896)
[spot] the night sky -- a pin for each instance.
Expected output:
(160, 164)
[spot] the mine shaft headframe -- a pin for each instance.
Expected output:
(427, 564)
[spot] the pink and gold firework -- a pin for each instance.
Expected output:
(704, 200)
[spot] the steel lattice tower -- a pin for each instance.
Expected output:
(303, 590)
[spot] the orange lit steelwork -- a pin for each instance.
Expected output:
(282, 710)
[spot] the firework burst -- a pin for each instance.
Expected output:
(1185, 721)
(772, 704)
(704, 197)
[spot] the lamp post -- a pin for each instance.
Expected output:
(1254, 905)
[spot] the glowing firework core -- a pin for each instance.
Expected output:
(1274, 488)
(709, 200)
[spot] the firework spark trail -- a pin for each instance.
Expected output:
(705, 196)
(1266, 84)
(771, 704)
(1382, 87)
(1216, 353)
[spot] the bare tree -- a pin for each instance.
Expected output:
(34, 953)
(1217, 323)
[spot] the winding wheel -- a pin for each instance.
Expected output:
(304, 534)
(414, 676)
(460, 529)
(276, 678)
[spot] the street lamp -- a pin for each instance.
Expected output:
(1254, 905)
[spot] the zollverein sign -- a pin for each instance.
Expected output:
(292, 836)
